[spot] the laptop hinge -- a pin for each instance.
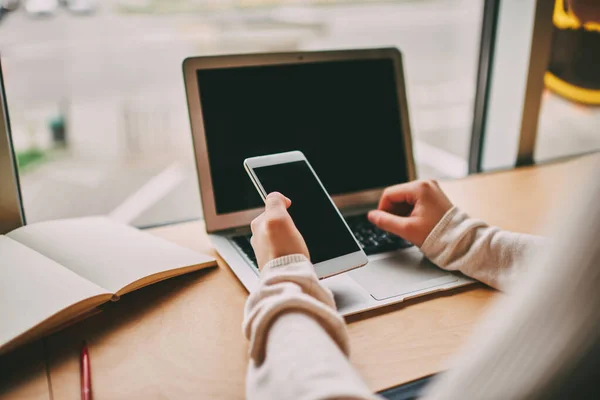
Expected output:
(240, 230)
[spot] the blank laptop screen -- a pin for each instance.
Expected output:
(343, 115)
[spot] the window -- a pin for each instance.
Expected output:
(570, 114)
(98, 110)
(542, 99)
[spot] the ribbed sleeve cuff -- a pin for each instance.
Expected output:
(437, 242)
(285, 260)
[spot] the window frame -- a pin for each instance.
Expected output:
(12, 215)
(484, 70)
(516, 146)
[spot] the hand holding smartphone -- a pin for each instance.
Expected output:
(331, 244)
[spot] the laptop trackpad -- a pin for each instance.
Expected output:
(400, 273)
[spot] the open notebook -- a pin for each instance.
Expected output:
(55, 272)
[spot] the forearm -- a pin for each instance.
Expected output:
(298, 341)
(488, 254)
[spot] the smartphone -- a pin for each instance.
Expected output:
(332, 246)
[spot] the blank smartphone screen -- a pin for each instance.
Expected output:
(315, 217)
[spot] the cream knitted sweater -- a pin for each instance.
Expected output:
(540, 341)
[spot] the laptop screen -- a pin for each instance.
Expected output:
(343, 115)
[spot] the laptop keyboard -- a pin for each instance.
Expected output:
(243, 243)
(372, 239)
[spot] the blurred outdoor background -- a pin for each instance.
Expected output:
(98, 109)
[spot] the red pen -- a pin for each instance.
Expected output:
(86, 374)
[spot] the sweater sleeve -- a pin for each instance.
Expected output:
(298, 341)
(543, 340)
(486, 253)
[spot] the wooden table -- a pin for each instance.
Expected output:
(182, 338)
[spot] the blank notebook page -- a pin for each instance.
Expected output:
(34, 288)
(105, 252)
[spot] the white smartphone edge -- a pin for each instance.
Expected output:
(324, 269)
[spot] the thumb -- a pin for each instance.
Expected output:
(276, 201)
(395, 224)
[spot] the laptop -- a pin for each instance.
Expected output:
(347, 112)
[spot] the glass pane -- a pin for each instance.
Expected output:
(97, 103)
(570, 114)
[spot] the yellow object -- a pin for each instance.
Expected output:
(571, 92)
(567, 20)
